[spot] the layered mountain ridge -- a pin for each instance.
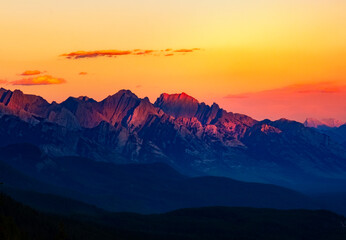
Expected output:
(193, 137)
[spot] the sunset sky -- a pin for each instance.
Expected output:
(264, 58)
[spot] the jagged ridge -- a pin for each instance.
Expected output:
(191, 136)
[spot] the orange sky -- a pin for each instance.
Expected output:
(257, 47)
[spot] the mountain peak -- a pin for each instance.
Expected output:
(177, 105)
(16, 101)
(178, 96)
(120, 93)
(86, 99)
(126, 92)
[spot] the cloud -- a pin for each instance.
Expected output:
(186, 50)
(30, 72)
(135, 52)
(2, 81)
(98, 53)
(83, 73)
(298, 101)
(320, 87)
(143, 52)
(169, 55)
(330, 90)
(39, 80)
(322, 90)
(308, 88)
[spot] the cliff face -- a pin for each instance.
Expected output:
(22, 105)
(178, 105)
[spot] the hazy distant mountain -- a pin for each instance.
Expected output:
(323, 123)
(335, 129)
(192, 137)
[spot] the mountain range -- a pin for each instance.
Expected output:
(192, 137)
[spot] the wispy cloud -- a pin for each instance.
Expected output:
(98, 53)
(320, 90)
(308, 88)
(83, 73)
(319, 87)
(319, 100)
(2, 81)
(186, 50)
(30, 72)
(135, 52)
(143, 52)
(330, 90)
(39, 80)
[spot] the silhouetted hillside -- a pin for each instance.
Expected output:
(22, 223)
